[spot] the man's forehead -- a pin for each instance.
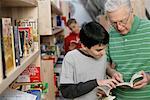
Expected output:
(118, 14)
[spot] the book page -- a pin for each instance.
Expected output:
(125, 84)
(135, 76)
(109, 98)
(105, 89)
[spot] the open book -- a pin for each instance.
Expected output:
(136, 77)
(106, 90)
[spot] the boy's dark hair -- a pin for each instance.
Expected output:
(70, 21)
(93, 33)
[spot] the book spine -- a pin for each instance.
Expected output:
(13, 46)
(8, 47)
(2, 51)
(16, 40)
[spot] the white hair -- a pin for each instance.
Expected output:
(112, 5)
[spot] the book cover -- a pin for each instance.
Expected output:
(28, 22)
(40, 86)
(26, 40)
(16, 41)
(37, 93)
(30, 74)
(8, 47)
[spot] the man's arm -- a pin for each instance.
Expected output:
(113, 73)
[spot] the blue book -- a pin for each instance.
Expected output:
(37, 93)
(17, 50)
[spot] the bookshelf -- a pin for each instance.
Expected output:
(55, 31)
(18, 70)
(55, 9)
(19, 3)
(18, 9)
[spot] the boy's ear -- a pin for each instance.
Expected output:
(83, 47)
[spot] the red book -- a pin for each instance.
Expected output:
(30, 74)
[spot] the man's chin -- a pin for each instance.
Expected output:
(123, 32)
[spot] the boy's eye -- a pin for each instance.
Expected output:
(98, 50)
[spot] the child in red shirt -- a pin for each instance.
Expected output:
(72, 41)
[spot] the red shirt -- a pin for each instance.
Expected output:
(72, 38)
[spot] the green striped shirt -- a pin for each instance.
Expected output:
(131, 54)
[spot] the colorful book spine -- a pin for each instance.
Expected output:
(31, 74)
(8, 56)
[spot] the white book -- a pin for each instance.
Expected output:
(11, 94)
(106, 89)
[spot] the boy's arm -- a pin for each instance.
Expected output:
(76, 90)
(68, 87)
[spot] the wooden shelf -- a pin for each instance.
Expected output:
(19, 3)
(55, 10)
(19, 69)
(54, 32)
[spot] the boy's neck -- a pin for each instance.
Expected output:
(83, 51)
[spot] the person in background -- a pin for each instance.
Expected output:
(129, 49)
(72, 41)
(84, 69)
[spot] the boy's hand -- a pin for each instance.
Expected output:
(108, 82)
(100, 93)
(143, 82)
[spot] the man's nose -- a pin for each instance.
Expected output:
(119, 26)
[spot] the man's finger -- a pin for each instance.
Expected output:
(139, 86)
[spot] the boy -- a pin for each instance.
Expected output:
(72, 40)
(84, 69)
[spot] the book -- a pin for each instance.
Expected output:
(136, 77)
(37, 93)
(31, 74)
(41, 86)
(22, 36)
(17, 50)
(28, 22)
(12, 94)
(8, 56)
(26, 38)
(1, 65)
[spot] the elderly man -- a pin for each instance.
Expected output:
(129, 49)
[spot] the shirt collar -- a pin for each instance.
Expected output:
(135, 25)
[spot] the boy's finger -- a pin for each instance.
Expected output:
(112, 85)
(115, 81)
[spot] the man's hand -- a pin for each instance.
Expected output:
(72, 46)
(117, 76)
(143, 82)
(113, 73)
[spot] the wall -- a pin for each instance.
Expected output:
(79, 12)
